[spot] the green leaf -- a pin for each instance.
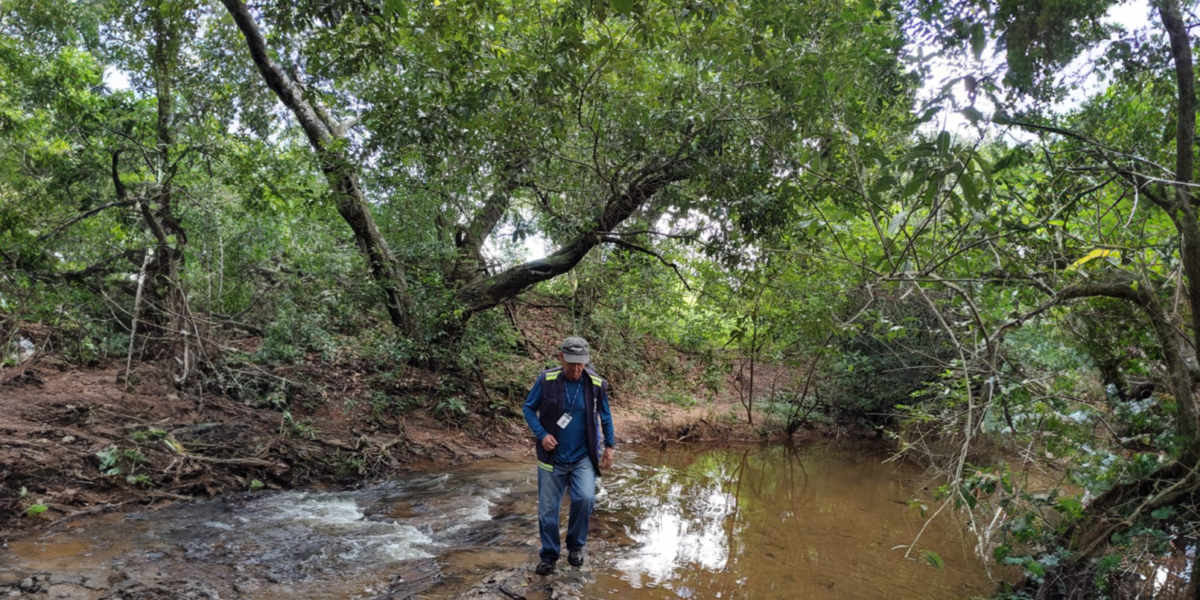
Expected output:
(896, 222)
(1035, 567)
(624, 7)
(1070, 507)
(882, 184)
(978, 40)
(36, 510)
(969, 498)
(933, 559)
(397, 8)
(926, 116)
(1163, 512)
(943, 142)
(967, 181)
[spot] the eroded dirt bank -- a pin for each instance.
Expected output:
(78, 442)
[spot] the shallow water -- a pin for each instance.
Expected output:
(756, 522)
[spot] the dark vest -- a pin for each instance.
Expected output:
(550, 409)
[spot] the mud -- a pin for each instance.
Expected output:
(79, 442)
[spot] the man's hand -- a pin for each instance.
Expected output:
(549, 443)
(606, 458)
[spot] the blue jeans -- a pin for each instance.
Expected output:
(581, 478)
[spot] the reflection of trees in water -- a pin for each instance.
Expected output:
(737, 496)
(692, 496)
(680, 514)
(740, 522)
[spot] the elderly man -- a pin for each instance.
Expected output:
(565, 410)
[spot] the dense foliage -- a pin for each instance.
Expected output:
(753, 182)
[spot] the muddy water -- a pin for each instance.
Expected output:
(756, 522)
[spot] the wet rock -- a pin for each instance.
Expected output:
(11, 578)
(169, 590)
(69, 592)
(94, 583)
(60, 579)
(524, 584)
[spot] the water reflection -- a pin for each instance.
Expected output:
(776, 522)
(755, 522)
(678, 520)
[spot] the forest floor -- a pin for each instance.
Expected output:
(78, 441)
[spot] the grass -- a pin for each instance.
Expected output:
(679, 399)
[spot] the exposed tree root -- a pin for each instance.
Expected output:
(1121, 506)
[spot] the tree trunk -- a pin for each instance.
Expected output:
(1185, 219)
(485, 293)
(165, 306)
(1121, 506)
(340, 174)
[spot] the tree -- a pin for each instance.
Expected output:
(1097, 216)
(588, 117)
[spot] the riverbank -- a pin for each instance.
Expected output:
(78, 441)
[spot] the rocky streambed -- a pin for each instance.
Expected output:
(747, 522)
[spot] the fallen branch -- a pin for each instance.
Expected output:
(245, 462)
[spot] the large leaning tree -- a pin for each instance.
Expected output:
(437, 123)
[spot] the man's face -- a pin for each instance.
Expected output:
(571, 370)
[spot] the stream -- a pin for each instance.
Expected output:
(814, 522)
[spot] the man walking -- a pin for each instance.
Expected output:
(562, 410)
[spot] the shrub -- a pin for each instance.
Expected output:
(898, 348)
(679, 399)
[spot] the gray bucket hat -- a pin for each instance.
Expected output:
(575, 350)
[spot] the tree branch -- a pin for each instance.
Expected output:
(624, 244)
(83, 216)
(486, 293)
(275, 76)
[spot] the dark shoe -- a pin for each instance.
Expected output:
(576, 558)
(544, 568)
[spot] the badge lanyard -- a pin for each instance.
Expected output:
(578, 394)
(565, 419)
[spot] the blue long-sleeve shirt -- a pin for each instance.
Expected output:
(572, 440)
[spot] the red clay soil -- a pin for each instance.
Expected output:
(58, 421)
(77, 440)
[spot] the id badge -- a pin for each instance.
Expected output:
(564, 421)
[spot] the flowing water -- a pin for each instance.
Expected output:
(814, 522)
